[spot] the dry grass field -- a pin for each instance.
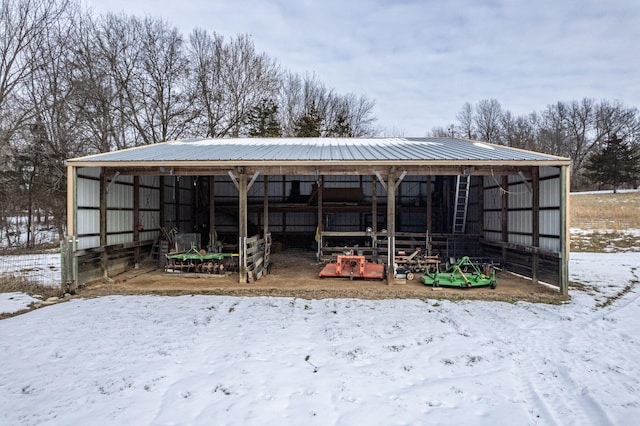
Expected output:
(605, 222)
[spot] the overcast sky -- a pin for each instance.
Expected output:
(421, 60)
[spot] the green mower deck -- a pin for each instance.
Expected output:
(454, 276)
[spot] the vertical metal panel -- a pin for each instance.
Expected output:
(412, 222)
(525, 240)
(411, 187)
(520, 221)
(492, 198)
(150, 220)
(225, 188)
(119, 221)
(300, 222)
(550, 193)
(88, 193)
(119, 238)
(120, 196)
(552, 244)
(88, 242)
(149, 199)
(493, 222)
(550, 222)
(153, 181)
(492, 236)
(88, 222)
(519, 196)
(341, 181)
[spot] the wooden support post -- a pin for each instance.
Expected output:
(429, 202)
(70, 283)
(72, 200)
(505, 218)
(481, 206)
(535, 223)
(391, 228)
(176, 203)
(265, 205)
(136, 219)
(212, 213)
(320, 229)
(103, 223)
(564, 230)
(242, 231)
(374, 205)
(161, 213)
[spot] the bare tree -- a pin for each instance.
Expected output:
(23, 24)
(554, 137)
(487, 120)
(351, 116)
(306, 99)
(112, 53)
(466, 121)
(614, 119)
(162, 109)
(228, 81)
(54, 132)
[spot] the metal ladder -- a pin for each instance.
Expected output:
(462, 202)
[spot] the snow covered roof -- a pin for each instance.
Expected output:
(286, 150)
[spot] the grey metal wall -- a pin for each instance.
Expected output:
(120, 208)
(520, 230)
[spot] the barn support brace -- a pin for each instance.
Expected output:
(391, 185)
(69, 265)
(535, 222)
(564, 230)
(243, 186)
(320, 227)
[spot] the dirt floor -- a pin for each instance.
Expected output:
(294, 273)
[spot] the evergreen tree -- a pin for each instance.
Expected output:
(263, 121)
(341, 127)
(616, 164)
(309, 125)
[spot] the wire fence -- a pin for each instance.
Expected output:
(38, 266)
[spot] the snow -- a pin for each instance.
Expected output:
(14, 302)
(195, 360)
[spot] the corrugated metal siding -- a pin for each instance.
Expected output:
(88, 193)
(550, 193)
(88, 211)
(319, 149)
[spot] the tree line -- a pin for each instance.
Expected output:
(73, 83)
(582, 131)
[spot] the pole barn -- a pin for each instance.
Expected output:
(455, 197)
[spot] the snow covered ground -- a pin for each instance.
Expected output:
(243, 361)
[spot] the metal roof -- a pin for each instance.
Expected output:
(239, 150)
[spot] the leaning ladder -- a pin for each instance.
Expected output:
(462, 202)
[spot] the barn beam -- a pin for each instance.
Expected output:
(242, 231)
(136, 220)
(313, 170)
(535, 224)
(320, 228)
(564, 230)
(391, 229)
(212, 212)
